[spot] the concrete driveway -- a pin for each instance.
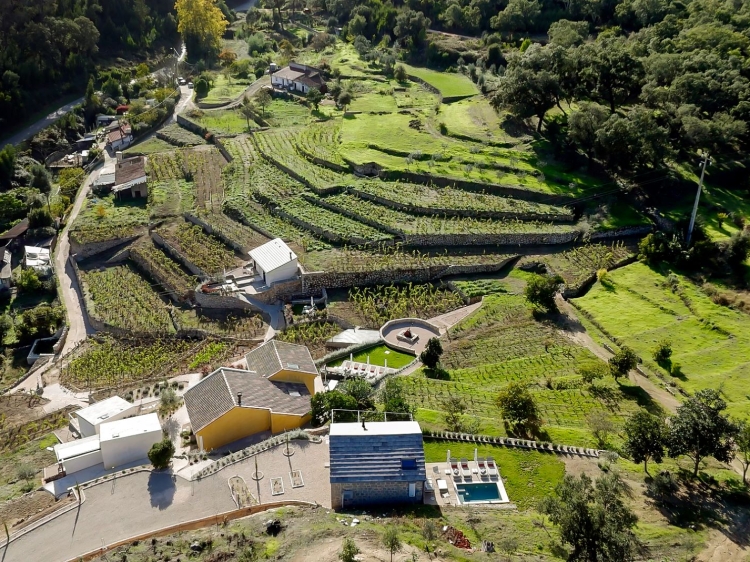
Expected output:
(147, 501)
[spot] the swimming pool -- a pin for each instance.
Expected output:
(481, 492)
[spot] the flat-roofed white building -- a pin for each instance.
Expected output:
(128, 440)
(77, 455)
(274, 261)
(111, 409)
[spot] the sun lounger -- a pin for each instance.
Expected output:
(454, 468)
(465, 470)
(442, 488)
(482, 466)
(491, 466)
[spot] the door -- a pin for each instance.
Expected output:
(412, 489)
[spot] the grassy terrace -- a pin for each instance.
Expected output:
(378, 355)
(711, 343)
(416, 224)
(332, 222)
(450, 198)
(475, 118)
(106, 219)
(178, 136)
(225, 91)
(449, 85)
(322, 141)
(500, 343)
(168, 198)
(223, 121)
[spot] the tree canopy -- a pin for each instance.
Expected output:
(202, 25)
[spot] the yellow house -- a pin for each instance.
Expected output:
(273, 394)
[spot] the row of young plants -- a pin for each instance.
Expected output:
(166, 166)
(107, 362)
(201, 249)
(164, 269)
(313, 335)
(121, 297)
(579, 264)
(383, 303)
(237, 233)
(446, 200)
(321, 140)
(420, 224)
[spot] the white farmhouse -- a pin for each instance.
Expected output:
(274, 261)
(111, 409)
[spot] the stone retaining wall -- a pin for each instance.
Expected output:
(375, 493)
(471, 213)
(210, 230)
(621, 233)
(157, 276)
(323, 163)
(506, 239)
(211, 300)
(191, 126)
(239, 216)
(83, 251)
(279, 290)
(354, 216)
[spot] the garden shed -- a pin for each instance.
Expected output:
(111, 409)
(274, 261)
(376, 463)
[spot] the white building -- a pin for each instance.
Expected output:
(129, 440)
(274, 261)
(119, 442)
(38, 259)
(90, 419)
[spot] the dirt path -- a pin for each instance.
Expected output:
(576, 332)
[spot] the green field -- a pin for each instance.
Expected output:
(501, 343)
(222, 121)
(224, 90)
(378, 355)
(710, 342)
(474, 118)
(450, 85)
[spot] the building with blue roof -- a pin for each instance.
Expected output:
(376, 463)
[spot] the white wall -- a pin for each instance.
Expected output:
(87, 430)
(116, 452)
(286, 271)
(82, 461)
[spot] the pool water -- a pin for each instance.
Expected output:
(479, 492)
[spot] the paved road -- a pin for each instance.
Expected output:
(46, 121)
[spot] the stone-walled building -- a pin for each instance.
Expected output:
(376, 463)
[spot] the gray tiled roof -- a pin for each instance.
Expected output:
(274, 356)
(376, 457)
(215, 395)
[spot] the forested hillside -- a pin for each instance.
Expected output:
(49, 47)
(632, 83)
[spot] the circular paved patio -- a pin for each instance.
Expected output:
(421, 328)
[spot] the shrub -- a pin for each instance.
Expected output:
(161, 453)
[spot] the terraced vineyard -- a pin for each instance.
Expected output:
(121, 297)
(332, 223)
(279, 145)
(241, 148)
(322, 140)
(578, 264)
(313, 335)
(176, 135)
(168, 198)
(446, 200)
(238, 233)
(380, 304)
(200, 249)
(204, 166)
(419, 224)
(502, 342)
(165, 166)
(106, 362)
(164, 269)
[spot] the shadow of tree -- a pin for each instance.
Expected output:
(161, 489)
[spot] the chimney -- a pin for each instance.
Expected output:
(119, 155)
(239, 399)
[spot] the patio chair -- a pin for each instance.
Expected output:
(465, 470)
(454, 468)
(491, 466)
(481, 466)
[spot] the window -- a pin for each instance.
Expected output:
(348, 495)
(412, 489)
(408, 464)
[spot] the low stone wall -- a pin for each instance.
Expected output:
(427, 86)
(177, 256)
(621, 233)
(323, 163)
(212, 300)
(471, 213)
(355, 216)
(279, 290)
(83, 251)
(375, 493)
(572, 292)
(506, 239)
(237, 215)
(414, 322)
(157, 276)
(220, 145)
(191, 126)
(210, 230)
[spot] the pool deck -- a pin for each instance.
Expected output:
(445, 493)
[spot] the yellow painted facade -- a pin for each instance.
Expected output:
(285, 422)
(308, 379)
(235, 424)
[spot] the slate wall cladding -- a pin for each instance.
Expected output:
(375, 493)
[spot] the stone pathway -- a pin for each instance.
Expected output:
(446, 321)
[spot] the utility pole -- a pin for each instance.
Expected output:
(706, 161)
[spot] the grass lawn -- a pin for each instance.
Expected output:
(475, 118)
(282, 113)
(225, 90)
(449, 84)
(149, 146)
(711, 343)
(378, 355)
(227, 121)
(528, 476)
(500, 343)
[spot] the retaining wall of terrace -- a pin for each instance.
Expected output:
(471, 213)
(621, 232)
(83, 251)
(212, 300)
(237, 215)
(323, 163)
(506, 239)
(210, 230)
(191, 126)
(279, 290)
(330, 236)
(157, 276)
(357, 217)
(177, 256)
